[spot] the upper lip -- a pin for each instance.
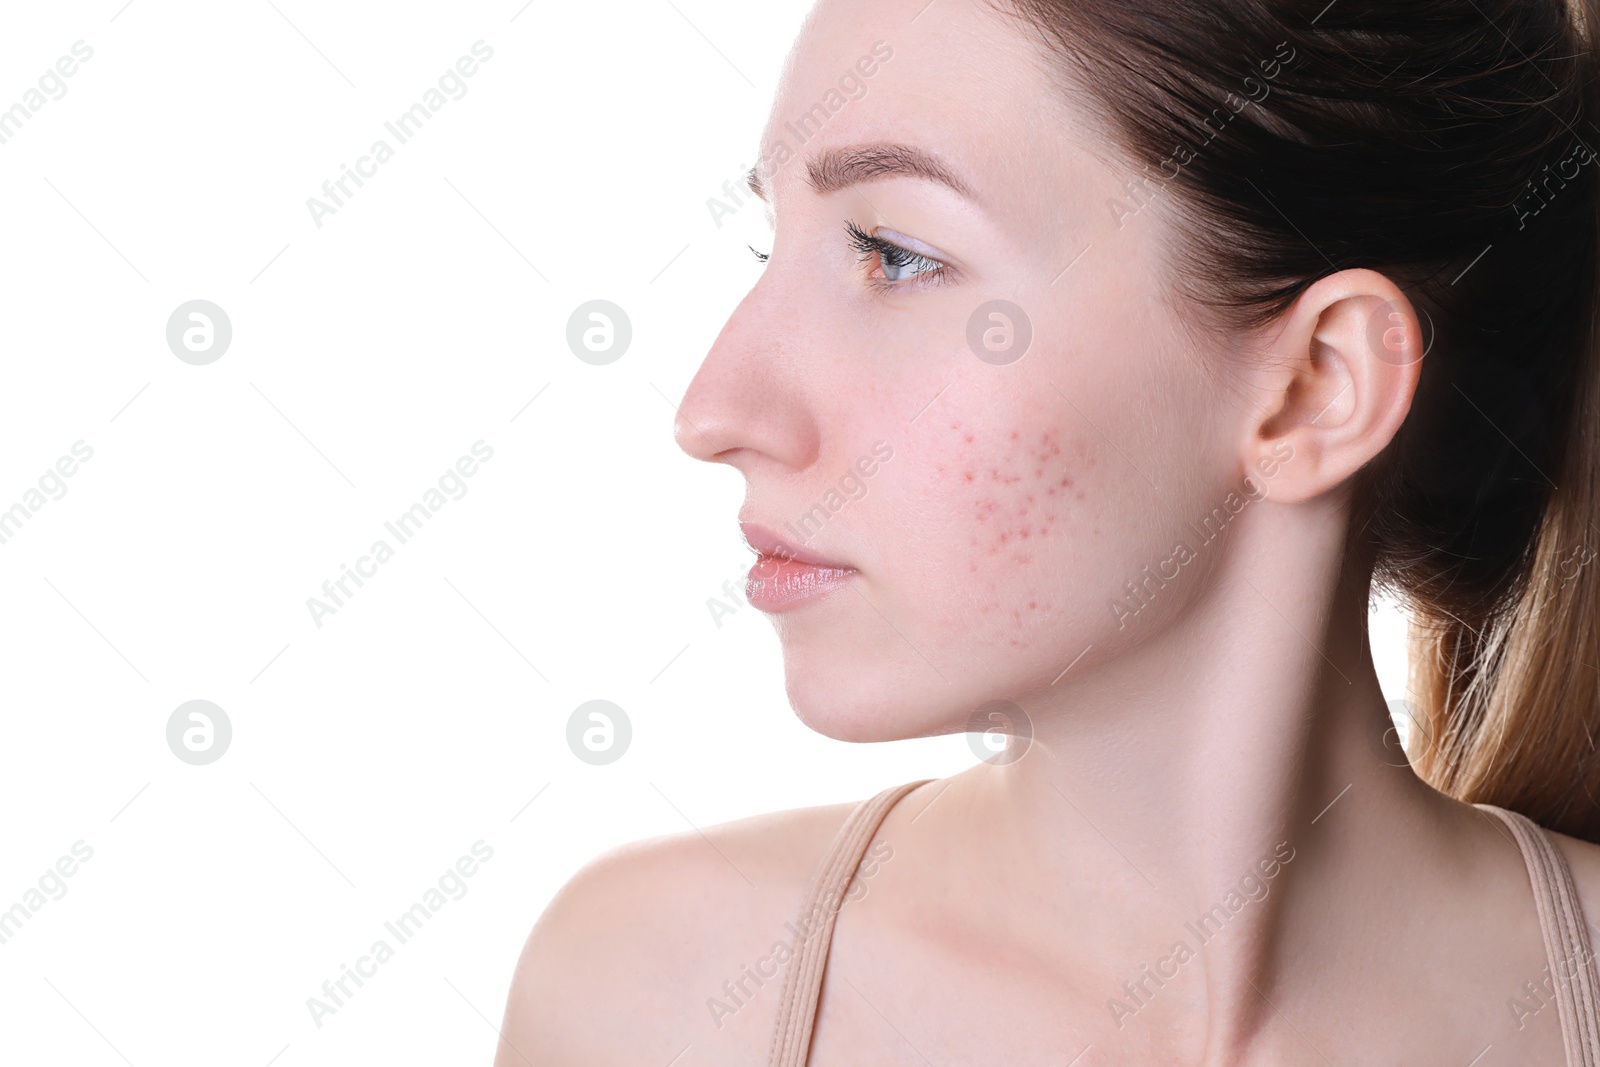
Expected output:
(766, 543)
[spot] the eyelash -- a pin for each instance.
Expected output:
(929, 271)
(866, 246)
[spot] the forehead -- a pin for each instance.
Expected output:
(955, 78)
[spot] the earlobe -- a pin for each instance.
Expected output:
(1349, 355)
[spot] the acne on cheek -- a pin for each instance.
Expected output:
(1022, 495)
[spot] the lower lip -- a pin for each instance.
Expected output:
(777, 584)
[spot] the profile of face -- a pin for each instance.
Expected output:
(1044, 454)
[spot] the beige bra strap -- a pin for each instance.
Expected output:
(1566, 938)
(802, 985)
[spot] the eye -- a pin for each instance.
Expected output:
(762, 256)
(897, 262)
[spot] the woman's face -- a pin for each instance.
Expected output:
(1024, 468)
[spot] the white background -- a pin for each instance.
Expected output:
(368, 354)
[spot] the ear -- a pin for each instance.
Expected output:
(1347, 358)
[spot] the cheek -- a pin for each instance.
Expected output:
(1020, 507)
(1016, 496)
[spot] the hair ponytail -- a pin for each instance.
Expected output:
(1451, 145)
(1509, 694)
(1509, 691)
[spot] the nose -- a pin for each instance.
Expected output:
(749, 402)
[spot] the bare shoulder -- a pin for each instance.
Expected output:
(628, 962)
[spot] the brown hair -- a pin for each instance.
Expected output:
(1448, 144)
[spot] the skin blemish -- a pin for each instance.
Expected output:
(1042, 451)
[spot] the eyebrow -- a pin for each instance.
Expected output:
(834, 169)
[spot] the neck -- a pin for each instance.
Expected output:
(1224, 785)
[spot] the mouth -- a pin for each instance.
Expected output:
(784, 575)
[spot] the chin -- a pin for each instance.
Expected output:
(835, 702)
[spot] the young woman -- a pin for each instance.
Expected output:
(1185, 324)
